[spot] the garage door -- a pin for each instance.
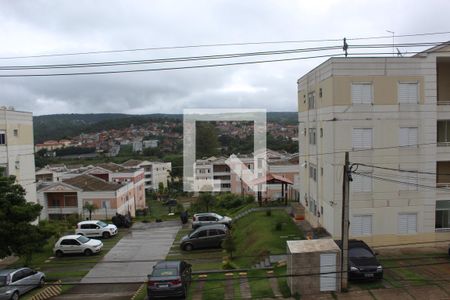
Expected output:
(327, 272)
(361, 225)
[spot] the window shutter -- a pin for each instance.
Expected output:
(407, 223)
(362, 93)
(362, 225)
(408, 93)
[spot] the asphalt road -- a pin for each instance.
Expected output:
(119, 274)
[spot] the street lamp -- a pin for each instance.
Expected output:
(393, 41)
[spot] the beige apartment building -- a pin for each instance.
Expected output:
(391, 114)
(17, 148)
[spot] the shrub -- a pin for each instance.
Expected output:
(229, 245)
(249, 199)
(279, 226)
(269, 212)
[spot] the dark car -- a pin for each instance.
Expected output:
(208, 236)
(170, 202)
(202, 219)
(363, 264)
(169, 279)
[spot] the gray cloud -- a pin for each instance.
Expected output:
(35, 27)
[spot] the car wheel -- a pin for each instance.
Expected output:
(188, 247)
(42, 282)
(106, 235)
(59, 253)
(88, 252)
(15, 296)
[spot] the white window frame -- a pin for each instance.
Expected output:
(409, 100)
(361, 183)
(363, 98)
(408, 217)
(408, 136)
(312, 100)
(364, 133)
(411, 180)
(312, 171)
(361, 232)
(312, 136)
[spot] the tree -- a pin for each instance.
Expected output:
(206, 142)
(17, 235)
(206, 199)
(229, 245)
(90, 207)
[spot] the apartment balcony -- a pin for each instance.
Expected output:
(443, 177)
(62, 210)
(443, 77)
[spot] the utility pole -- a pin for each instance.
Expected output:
(345, 222)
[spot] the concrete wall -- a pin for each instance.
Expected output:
(303, 266)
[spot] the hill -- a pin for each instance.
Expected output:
(59, 126)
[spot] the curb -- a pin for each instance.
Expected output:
(54, 289)
(138, 291)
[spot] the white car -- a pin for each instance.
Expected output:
(96, 228)
(77, 244)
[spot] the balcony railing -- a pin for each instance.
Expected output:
(443, 144)
(443, 102)
(444, 185)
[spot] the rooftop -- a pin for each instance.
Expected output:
(307, 246)
(91, 183)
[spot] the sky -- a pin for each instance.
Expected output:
(38, 27)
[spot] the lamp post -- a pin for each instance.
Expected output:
(393, 41)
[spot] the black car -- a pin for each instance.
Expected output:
(169, 279)
(363, 264)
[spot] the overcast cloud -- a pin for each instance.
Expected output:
(45, 27)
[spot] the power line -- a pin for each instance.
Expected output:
(224, 45)
(401, 182)
(401, 170)
(265, 277)
(204, 57)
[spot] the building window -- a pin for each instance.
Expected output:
(312, 136)
(362, 93)
(362, 138)
(408, 92)
(443, 132)
(312, 205)
(411, 182)
(407, 223)
(311, 100)
(2, 137)
(443, 214)
(362, 183)
(361, 225)
(313, 172)
(408, 136)
(16, 132)
(321, 132)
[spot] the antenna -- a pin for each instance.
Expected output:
(399, 53)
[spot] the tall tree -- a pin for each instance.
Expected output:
(206, 141)
(17, 235)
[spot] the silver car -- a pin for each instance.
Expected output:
(16, 282)
(210, 218)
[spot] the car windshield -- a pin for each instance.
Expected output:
(164, 272)
(83, 239)
(2, 280)
(102, 224)
(359, 252)
(218, 216)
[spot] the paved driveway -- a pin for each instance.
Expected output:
(118, 274)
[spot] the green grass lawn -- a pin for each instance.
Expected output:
(256, 236)
(68, 269)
